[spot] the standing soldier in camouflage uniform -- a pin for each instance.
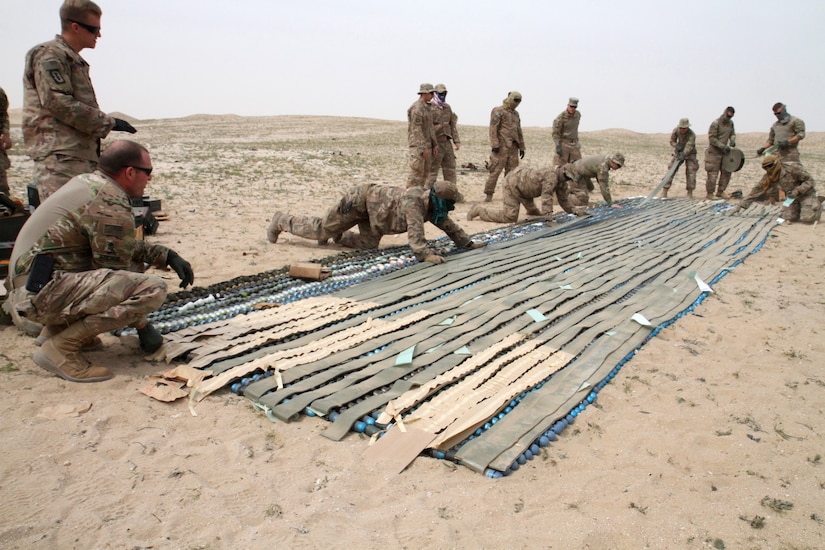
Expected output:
(5, 142)
(421, 137)
(378, 210)
(521, 186)
(722, 137)
(446, 133)
(84, 235)
(506, 141)
(62, 123)
(581, 172)
(566, 134)
(795, 181)
(683, 141)
(786, 133)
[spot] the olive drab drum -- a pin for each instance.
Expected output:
(733, 160)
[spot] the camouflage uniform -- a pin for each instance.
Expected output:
(88, 228)
(566, 135)
(446, 132)
(720, 134)
(62, 123)
(684, 144)
(506, 136)
(421, 139)
(377, 209)
(783, 132)
(5, 163)
(580, 174)
(521, 186)
(797, 183)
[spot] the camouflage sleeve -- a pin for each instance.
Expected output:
(109, 225)
(732, 137)
(564, 200)
(4, 112)
(522, 145)
(557, 129)
(674, 137)
(495, 123)
(54, 88)
(603, 178)
(415, 212)
(548, 189)
(802, 178)
(713, 135)
(454, 128)
(758, 191)
(798, 128)
(458, 236)
(690, 145)
(772, 136)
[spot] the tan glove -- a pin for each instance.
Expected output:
(734, 210)
(434, 259)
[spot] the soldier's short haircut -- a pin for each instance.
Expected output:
(77, 10)
(121, 154)
(777, 106)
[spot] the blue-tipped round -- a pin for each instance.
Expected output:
(534, 448)
(333, 416)
(528, 454)
(235, 388)
(521, 459)
(359, 426)
(309, 412)
(544, 441)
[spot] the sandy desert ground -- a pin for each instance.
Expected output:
(711, 437)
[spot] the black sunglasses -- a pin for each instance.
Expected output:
(147, 171)
(92, 29)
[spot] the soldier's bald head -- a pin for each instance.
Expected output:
(121, 154)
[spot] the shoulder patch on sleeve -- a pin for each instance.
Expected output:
(113, 230)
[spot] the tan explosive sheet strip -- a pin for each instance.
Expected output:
(552, 308)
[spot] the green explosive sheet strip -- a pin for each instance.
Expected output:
(445, 348)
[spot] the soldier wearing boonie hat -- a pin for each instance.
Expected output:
(683, 141)
(566, 134)
(421, 137)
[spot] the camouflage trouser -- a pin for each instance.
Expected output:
(791, 153)
(5, 164)
(713, 165)
(105, 299)
(803, 209)
(691, 168)
(512, 201)
(506, 159)
(420, 166)
(570, 152)
(53, 171)
(578, 191)
(445, 159)
(350, 211)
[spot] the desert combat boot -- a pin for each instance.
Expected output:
(61, 355)
(276, 226)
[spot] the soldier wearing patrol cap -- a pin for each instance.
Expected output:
(683, 141)
(421, 137)
(566, 134)
(62, 122)
(722, 138)
(379, 209)
(506, 141)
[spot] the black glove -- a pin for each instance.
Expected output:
(733, 143)
(150, 339)
(726, 149)
(181, 267)
(681, 157)
(760, 150)
(679, 148)
(784, 144)
(496, 149)
(558, 149)
(521, 153)
(123, 126)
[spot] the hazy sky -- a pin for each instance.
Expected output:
(639, 65)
